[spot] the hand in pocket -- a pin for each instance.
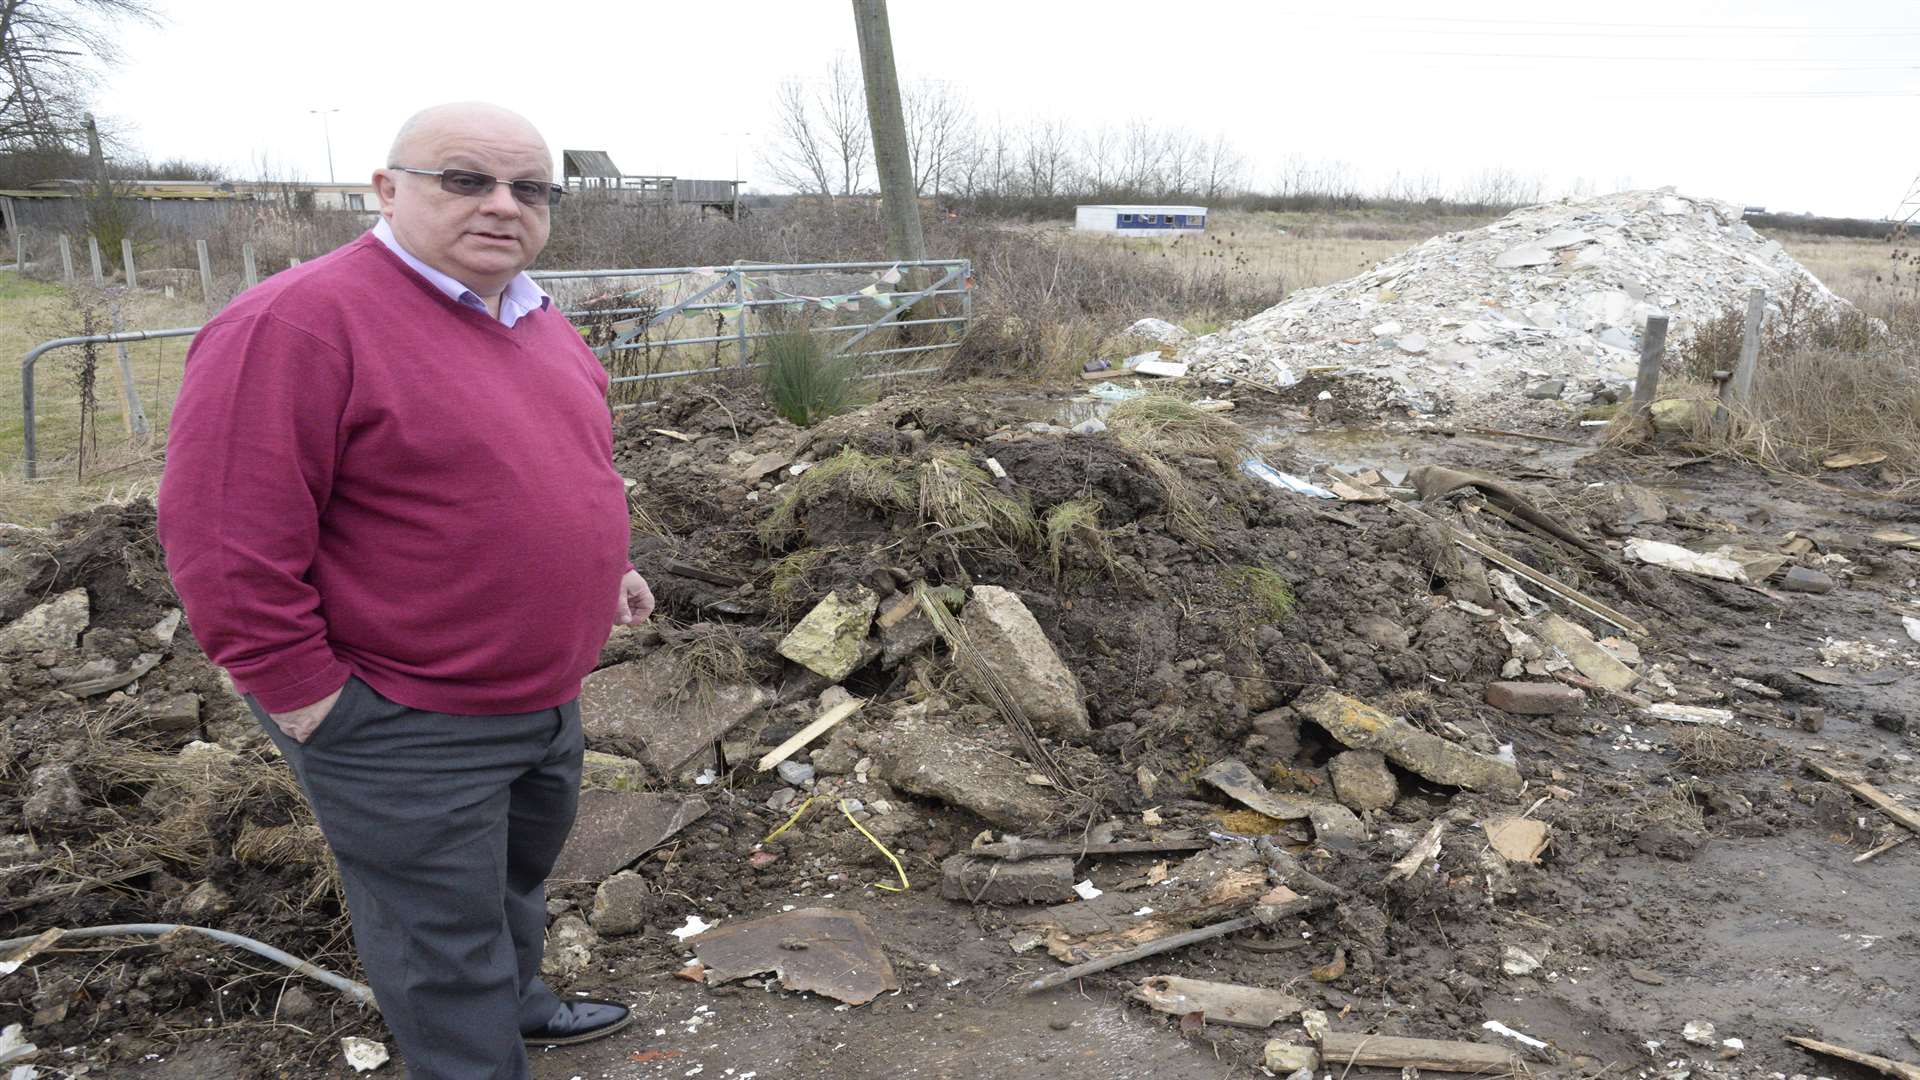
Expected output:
(299, 724)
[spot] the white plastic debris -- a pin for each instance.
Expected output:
(1690, 714)
(1515, 960)
(1107, 391)
(1315, 1021)
(1675, 557)
(14, 1044)
(1086, 890)
(1698, 1032)
(695, 927)
(365, 1055)
(1499, 1028)
(1164, 369)
(1913, 626)
(1260, 470)
(32, 1072)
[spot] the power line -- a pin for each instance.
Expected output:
(1837, 62)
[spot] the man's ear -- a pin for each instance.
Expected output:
(385, 186)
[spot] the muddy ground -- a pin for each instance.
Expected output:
(1693, 873)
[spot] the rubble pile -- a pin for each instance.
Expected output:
(938, 702)
(1550, 300)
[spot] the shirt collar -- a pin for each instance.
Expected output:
(520, 296)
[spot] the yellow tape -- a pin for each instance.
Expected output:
(897, 868)
(791, 820)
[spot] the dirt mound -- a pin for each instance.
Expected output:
(1554, 296)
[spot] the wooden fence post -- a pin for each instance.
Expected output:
(126, 260)
(247, 266)
(66, 257)
(1749, 347)
(206, 274)
(93, 252)
(1653, 348)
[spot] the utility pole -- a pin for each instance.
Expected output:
(905, 240)
(326, 133)
(96, 157)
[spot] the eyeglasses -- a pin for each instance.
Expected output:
(477, 184)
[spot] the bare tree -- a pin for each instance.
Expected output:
(939, 122)
(1098, 151)
(48, 53)
(843, 114)
(1222, 168)
(1181, 163)
(797, 159)
(1143, 150)
(1046, 157)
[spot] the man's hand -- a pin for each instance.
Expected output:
(299, 724)
(636, 600)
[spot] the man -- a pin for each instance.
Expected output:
(391, 513)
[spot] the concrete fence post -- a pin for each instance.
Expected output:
(206, 274)
(1653, 349)
(66, 258)
(126, 260)
(247, 266)
(99, 272)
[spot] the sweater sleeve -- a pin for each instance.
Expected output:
(251, 447)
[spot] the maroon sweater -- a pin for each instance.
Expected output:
(364, 476)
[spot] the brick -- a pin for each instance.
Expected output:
(1535, 698)
(981, 880)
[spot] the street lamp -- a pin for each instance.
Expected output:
(736, 136)
(326, 133)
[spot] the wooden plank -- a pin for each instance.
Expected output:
(1749, 348)
(1872, 1061)
(809, 733)
(1878, 799)
(1340, 1049)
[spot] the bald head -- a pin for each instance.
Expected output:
(426, 128)
(476, 233)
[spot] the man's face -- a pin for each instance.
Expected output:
(483, 241)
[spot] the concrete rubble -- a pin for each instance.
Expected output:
(1013, 645)
(1558, 291)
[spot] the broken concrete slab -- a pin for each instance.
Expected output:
(54, 626)
(1522, 256)
(1285, 1058)
(654, 703)
(1583, 652)
(96, 677)
(1518, 839)
(613, 828)
(905, 638)
(977, 880)
(1239, 783)
(925, 756)
(828, 640)
(1535, 698)
(1363, 727)
(1362, 780)
(1012, 644)
(1216, 1002)
(819, 950)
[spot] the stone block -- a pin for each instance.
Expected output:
(1535, 698)
(1011, 643)
(53, 626)
(1362, 780)
(980, 880)
(829, 640)
(620, 904)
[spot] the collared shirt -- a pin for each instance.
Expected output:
(520, 296)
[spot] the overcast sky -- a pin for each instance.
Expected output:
(1793, 105)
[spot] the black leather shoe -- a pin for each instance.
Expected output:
(581, 1021)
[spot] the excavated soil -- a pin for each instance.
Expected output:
(1693, 874)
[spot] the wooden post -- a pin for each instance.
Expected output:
(132, 415)
(126, 260)
(891, 157)
(247, 266)
(66, 257)
(206, 274)
(1749, 348)
(1653, 348)
(93, 252)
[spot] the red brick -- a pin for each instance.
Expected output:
(1535, 698)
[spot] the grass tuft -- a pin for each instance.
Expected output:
(955, 494)
(1074, 526)
(803, 383)
(1163, 425)
(879, 482)
(1264, 589)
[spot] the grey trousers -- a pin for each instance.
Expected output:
(445, 828)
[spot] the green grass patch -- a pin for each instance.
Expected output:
(1264, 589)
(1074, 536)
(1163, 425)
(802, 382)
